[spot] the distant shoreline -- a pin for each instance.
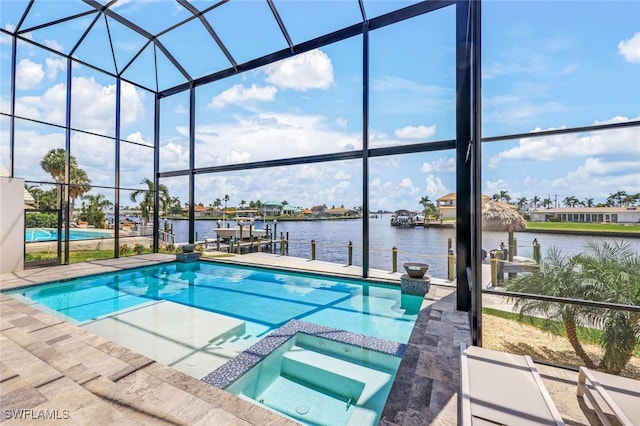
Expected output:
(584, 232)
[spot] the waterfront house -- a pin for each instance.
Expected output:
(271, 208)
(588, 214)
(288, 210)
(447, 205)
(29, 201)
(338, 212)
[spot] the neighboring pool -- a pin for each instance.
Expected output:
(263, 299)
(32, 235)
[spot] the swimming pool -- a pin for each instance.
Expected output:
(49, 234)
(196, 317)
(264, 300)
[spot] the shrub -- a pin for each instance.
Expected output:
(125, 250)
(41, 220)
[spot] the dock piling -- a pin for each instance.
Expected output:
(394, 261)
(451, 270)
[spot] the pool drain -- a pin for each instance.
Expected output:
(302, 409)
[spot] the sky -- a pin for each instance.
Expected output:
(546, 65)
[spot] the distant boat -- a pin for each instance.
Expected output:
(406, 218)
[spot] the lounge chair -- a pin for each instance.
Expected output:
(502, 388)
(620, 394)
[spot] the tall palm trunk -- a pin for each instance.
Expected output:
(572, 335)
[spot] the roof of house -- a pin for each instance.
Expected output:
(28, 198)
(452, 196)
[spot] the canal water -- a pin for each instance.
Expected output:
(427, 245)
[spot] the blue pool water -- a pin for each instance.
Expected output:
(40, 234)
(321, 382)
(265, 300)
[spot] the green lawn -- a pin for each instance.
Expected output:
(593, 227)
(85, 255)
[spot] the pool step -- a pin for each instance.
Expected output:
(337, 376)
(312, 371)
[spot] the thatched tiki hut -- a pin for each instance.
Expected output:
(502, 217)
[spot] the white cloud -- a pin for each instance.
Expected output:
(54, 45)
(630, 49)
(138, 138)
(406, 183)
(131, 104)
(415, 132)
(53, 65)
(309, 70)
(548, 148)
(243, 96)
(596, 178)
(180, 109)
(441, 165)
(174, 154)
(92, 105)
(520, 108)
(434, 188)
(343, 175)
(28, 74)
(265, 136)
(342, 122)
(494, 187)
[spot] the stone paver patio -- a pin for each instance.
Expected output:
(51, 367)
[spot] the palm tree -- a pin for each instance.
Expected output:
(425, 201)
(554, 277)
(588, 202)
(611, 273)
(619, 196)
(225, 198)
(522, 202)
(547, 202)
(629, 199)
(535, 200)
(504, 195)
(97, 204)
(54, 162)
(148, 195)
(571, 201)
(80, 185)
(175, 206)
(604, 272)
(242, 204)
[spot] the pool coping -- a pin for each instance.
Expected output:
(416, 397)
(235, 368)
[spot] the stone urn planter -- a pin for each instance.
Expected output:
(415, 269)
(188, 248)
